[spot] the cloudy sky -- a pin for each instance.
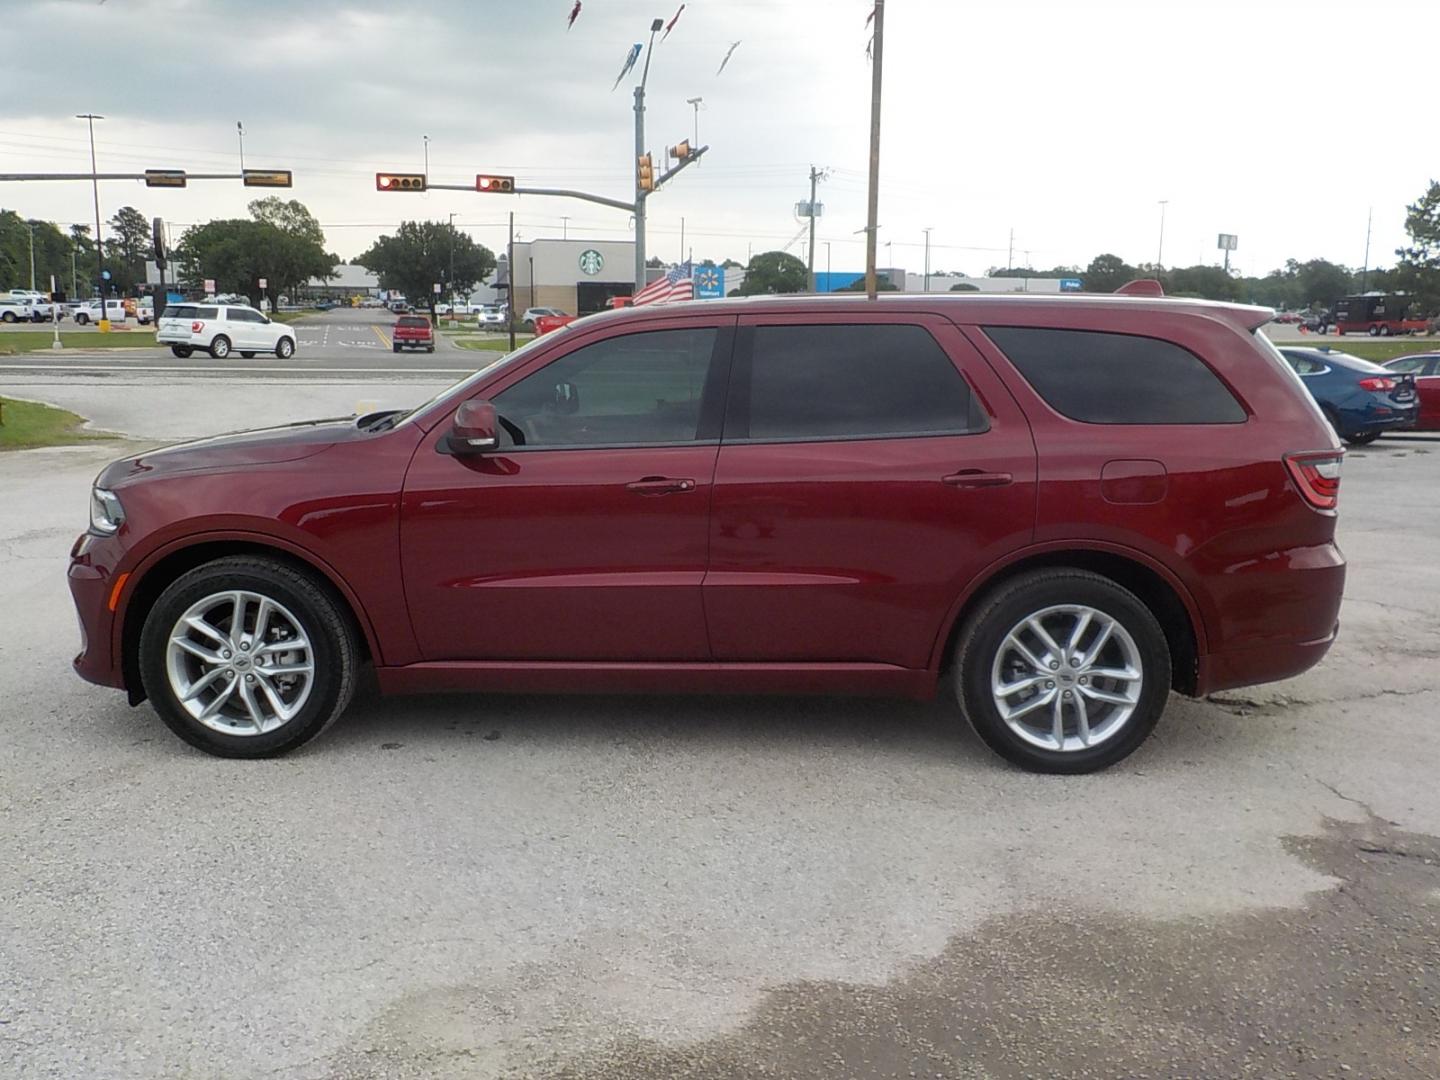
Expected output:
(1066, 122)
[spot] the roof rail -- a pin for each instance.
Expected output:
(1141, 287)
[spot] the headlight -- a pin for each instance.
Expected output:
(106, 513)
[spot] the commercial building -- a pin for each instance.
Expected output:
(577, 276)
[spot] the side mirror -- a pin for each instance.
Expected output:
(475, 428)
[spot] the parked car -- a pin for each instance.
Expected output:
(1287, 317)
(544, 324)
(1317, 322)
(145, 310)
(326, 305)
(490, 315)
(13, 310)
(89, 312)
(1360, 399)
(531, 314)
(412, 332)
(399, 307)
(220, 329)
(1057, 509)
(1424, 368)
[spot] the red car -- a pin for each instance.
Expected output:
(1426, 369)
(1056, 509)
(412, 332)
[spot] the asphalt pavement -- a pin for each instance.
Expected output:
(480, 886)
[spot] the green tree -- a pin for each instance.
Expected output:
(128, 248)
(882, 284)
(964, 286)
(421, 254)
(1322, 282)
(1418, 271)
(773, 272)
(1106, 273)
(282, 243)
(731, 264)
(51, 249)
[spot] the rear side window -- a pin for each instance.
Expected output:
(1101, 378)
(852, 381)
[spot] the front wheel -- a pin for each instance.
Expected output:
(81, 318)
(1062, 671)
(220, 347)
(182, 351)
(1384, 331)
(285, 349)
(248, 657)
(1374, 331)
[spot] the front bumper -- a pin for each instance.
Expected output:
(92, 582)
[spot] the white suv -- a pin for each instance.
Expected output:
(221, 329)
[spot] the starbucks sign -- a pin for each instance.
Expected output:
(591, 262)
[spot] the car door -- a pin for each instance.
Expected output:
(583, 536)
(869, 468)
(1427, 385)
(244, 328)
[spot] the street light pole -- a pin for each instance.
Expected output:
(240, 130)
(695, 103)
(1160, 255)
(90, 118)
(31, 225)
(451, 282)
(926, 231)
(655, 26)
(427, 157)
(877, 53)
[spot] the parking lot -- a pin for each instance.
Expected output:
(659, 887)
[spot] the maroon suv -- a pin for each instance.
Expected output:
(1057, 509)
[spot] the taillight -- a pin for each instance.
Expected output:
(196, 327)
(1377, 382)
(1317, 476)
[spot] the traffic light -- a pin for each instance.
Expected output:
(495, 185)
(645, 177)
(164, 177)
(681, 151)
(266, 177)
(385, 181)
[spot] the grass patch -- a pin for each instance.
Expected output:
(22, 341)
(291, 316)
(1375, 351)
(26, 425)
(498, 344)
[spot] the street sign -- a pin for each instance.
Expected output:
(591, 262)
(210, 285)
(1228, 242)
(1070, 284)
(164, 177)
(435, 288)
(267, 177)
(263, 283)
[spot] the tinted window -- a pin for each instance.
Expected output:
(636, 389)
(414, 323)
(818, 382)
(204, 313)
(1304, 365)
(180, 311)
(1409, 365)
(1117, 378)
(240, 314)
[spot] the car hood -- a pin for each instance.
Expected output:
(266, 446)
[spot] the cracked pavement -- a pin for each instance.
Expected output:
(661, 887)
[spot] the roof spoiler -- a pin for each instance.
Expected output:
(1141, 287)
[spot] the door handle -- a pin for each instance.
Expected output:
(975, 478)
(659, 485)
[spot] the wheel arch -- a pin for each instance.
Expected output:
(1158, 589)
(162, 567)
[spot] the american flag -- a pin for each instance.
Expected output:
(676, 285)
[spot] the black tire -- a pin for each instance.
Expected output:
(1385, 331)
(1374, 331)
(220, 347)
(395, 348)
(335, 652)
(285, 348)
(1362, 438)
(430, 348)
(986, 628)
(81, 318)
(248, 355)
(182, 351)
(9, 317)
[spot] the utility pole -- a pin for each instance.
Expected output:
(926, 231)
(640, 193)
(510, 274)
(31, 224)
(450, 284)
(90, 119)
(427, 158)
(1160, 255)
(1010, 253)
(873, 211)
(1364, 270)
(828, 279)
(815, 177)
(682, 239)
(240, 130)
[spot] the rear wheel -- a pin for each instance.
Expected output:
(9, 317)
(1374, 331)
(181, 351)
(220, 347)
(1385, 331)
(247, 657)
(394, 348)
(80, 317)
(1062, 671)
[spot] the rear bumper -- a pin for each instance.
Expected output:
(1226, 671)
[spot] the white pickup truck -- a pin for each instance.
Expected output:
(25, 304)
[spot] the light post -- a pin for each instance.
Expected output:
(427, 157)
(926, 231)
(695, 103)
(103, 323)
(655, 27)
(240, 130)
(450, 282)
(828, 279)
(1160, 255)
(31, 225)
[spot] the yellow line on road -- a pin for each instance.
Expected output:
(381, 335)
